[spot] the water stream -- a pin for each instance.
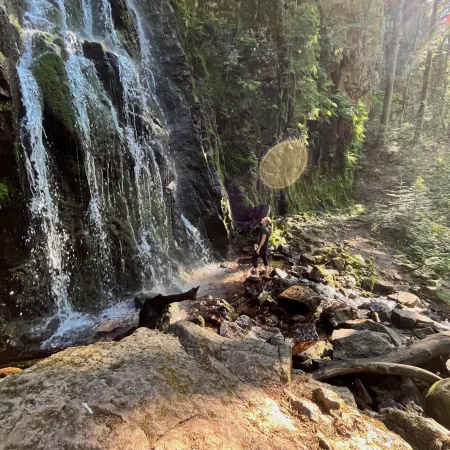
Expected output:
(124, 162)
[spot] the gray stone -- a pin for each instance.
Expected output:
(252, 360)
(409, 318)
(384, 287)
(422, 333)
(407, 299)
(367, 324)
(360, 344)
(337, 316)
(338, 264)
(420, 432)
(300, 299)
(307, 258)
(437, 402)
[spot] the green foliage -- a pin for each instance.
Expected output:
(277, 238)
(51, 76)
(416, 217)
(317, 192)
(4, 193)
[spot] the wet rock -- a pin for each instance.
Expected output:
(366, 324)
(437, 402)
(360, 344)
(406, 299)
(106, 327)
(408, 318)
(384, 287)
(422, 333)
(337, 316)
(420, 432)
(300, 300)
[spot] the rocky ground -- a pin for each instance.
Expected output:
(238, 368)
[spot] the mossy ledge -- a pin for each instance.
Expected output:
(51, 77)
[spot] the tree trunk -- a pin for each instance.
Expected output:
(415, 354)
(444, 105)
(408, 78)
(359, 366)
(390, 74)
(426, 76)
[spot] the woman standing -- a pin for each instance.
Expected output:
(262, 248)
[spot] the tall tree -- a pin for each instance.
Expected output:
(390, 72)
(411, 63)
(426, 74)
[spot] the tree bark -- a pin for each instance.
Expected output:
(426, 75)
(408, 78)
(359, 366)
(390, 74)
(416, 354)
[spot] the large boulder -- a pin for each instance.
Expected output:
(250, 359)
(367, 324)
(409, 318)
(437, 402)
(360, 344)
(406, 299)
(420, 432)
(300, 300)
(147, 392)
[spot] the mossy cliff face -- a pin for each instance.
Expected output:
(13, 212)
(266, 71)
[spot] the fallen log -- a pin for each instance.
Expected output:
(415, 354)
(154, 307)
(361, 366)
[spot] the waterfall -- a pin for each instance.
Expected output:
(42, 205)
(119, 233)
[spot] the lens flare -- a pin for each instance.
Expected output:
(283, 164)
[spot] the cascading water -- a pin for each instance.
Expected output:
(118, 146)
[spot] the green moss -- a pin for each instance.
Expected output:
(13, 20)
(5, 106)
(51, 76)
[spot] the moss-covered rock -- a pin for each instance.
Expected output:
(51, 76)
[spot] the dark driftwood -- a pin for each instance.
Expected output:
(415, 354)
(361, 366)
(154, 307)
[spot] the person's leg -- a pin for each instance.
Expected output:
(255, 257)
(266, 263)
